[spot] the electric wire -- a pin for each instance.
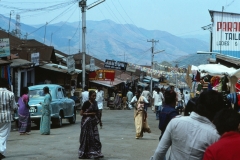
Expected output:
(65, 21)
(48, 8)
(124, 19)
(51, 20)
(109, 9)
(131, 19)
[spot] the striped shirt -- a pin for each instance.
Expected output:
(7, 104)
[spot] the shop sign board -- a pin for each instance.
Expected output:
(102, 75)
(70, 64)
(226, 33)
(35, 58)
(131, 68)
(4, 47)
(111, 64)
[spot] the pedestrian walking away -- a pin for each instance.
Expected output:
(24, 120)
(148, 96)
(227, 122)
(187, 137)
(158, 100)
(7, 105)
(85, 95)
(46, 113)
(140, 115)
(129, 98)
(90, 145)
(168, 112)
(100, 99)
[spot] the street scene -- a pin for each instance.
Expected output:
(119, 80)
(117, 137)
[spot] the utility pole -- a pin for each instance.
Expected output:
(12, 11)
(51, 39)
(153, 41)
(45, 32)
(84, 7)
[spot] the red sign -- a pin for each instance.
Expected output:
(103, 75)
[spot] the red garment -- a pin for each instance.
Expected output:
(226, 148)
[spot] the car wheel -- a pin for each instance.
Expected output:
(58, 122)
(72, 120)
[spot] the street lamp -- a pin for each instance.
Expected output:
(152, 67)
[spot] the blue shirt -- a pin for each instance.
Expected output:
(167, 113)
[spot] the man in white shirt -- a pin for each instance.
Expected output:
(129, 98)
(189, 136)
(85, 95)
(158, 99)
(7, 105)
(148, 96)
(186, 98)
(100, 99)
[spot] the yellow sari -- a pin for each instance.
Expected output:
(140, 118)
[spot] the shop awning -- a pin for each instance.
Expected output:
(153, 79)
(20, 62)
(142, 84)
(108, 83)
(3, 62)
(59, 68)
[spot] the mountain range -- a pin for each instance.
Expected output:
(108, 40)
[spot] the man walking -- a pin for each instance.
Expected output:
(148, 96)
(129, 98)
(100, 99)
(85, 95)
(7, 104)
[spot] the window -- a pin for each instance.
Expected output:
(60, 94)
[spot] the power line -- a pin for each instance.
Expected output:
(51, 20)
(130, 18)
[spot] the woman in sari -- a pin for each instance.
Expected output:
(24, 120)
(140, 115)
(90, 145)
(46, 113)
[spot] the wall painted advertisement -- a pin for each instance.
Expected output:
(226, 33)
(4, 47)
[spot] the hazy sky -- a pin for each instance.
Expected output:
(179, 17)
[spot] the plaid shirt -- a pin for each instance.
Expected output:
(7, 104)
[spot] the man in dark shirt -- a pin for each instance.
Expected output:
(168, 112)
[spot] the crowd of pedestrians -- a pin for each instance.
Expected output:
(208, 129)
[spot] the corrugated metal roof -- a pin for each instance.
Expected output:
(59, 68)
(230, 59)
(20, 62)
(212, 11)
(3, 62)
(108, 83)
(142, 84)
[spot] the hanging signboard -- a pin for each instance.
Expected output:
(111, 64)
(35, 58)
(4, 47)
(103, 75)
(226, 33)
(130, 68)
(70, 64)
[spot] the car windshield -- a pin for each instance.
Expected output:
(37, 93)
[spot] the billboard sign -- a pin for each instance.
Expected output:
(35, 58)
(131, 68)
(226, 33)
(111, 64)
(102, 75)
(70, 64)
(4, 47)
